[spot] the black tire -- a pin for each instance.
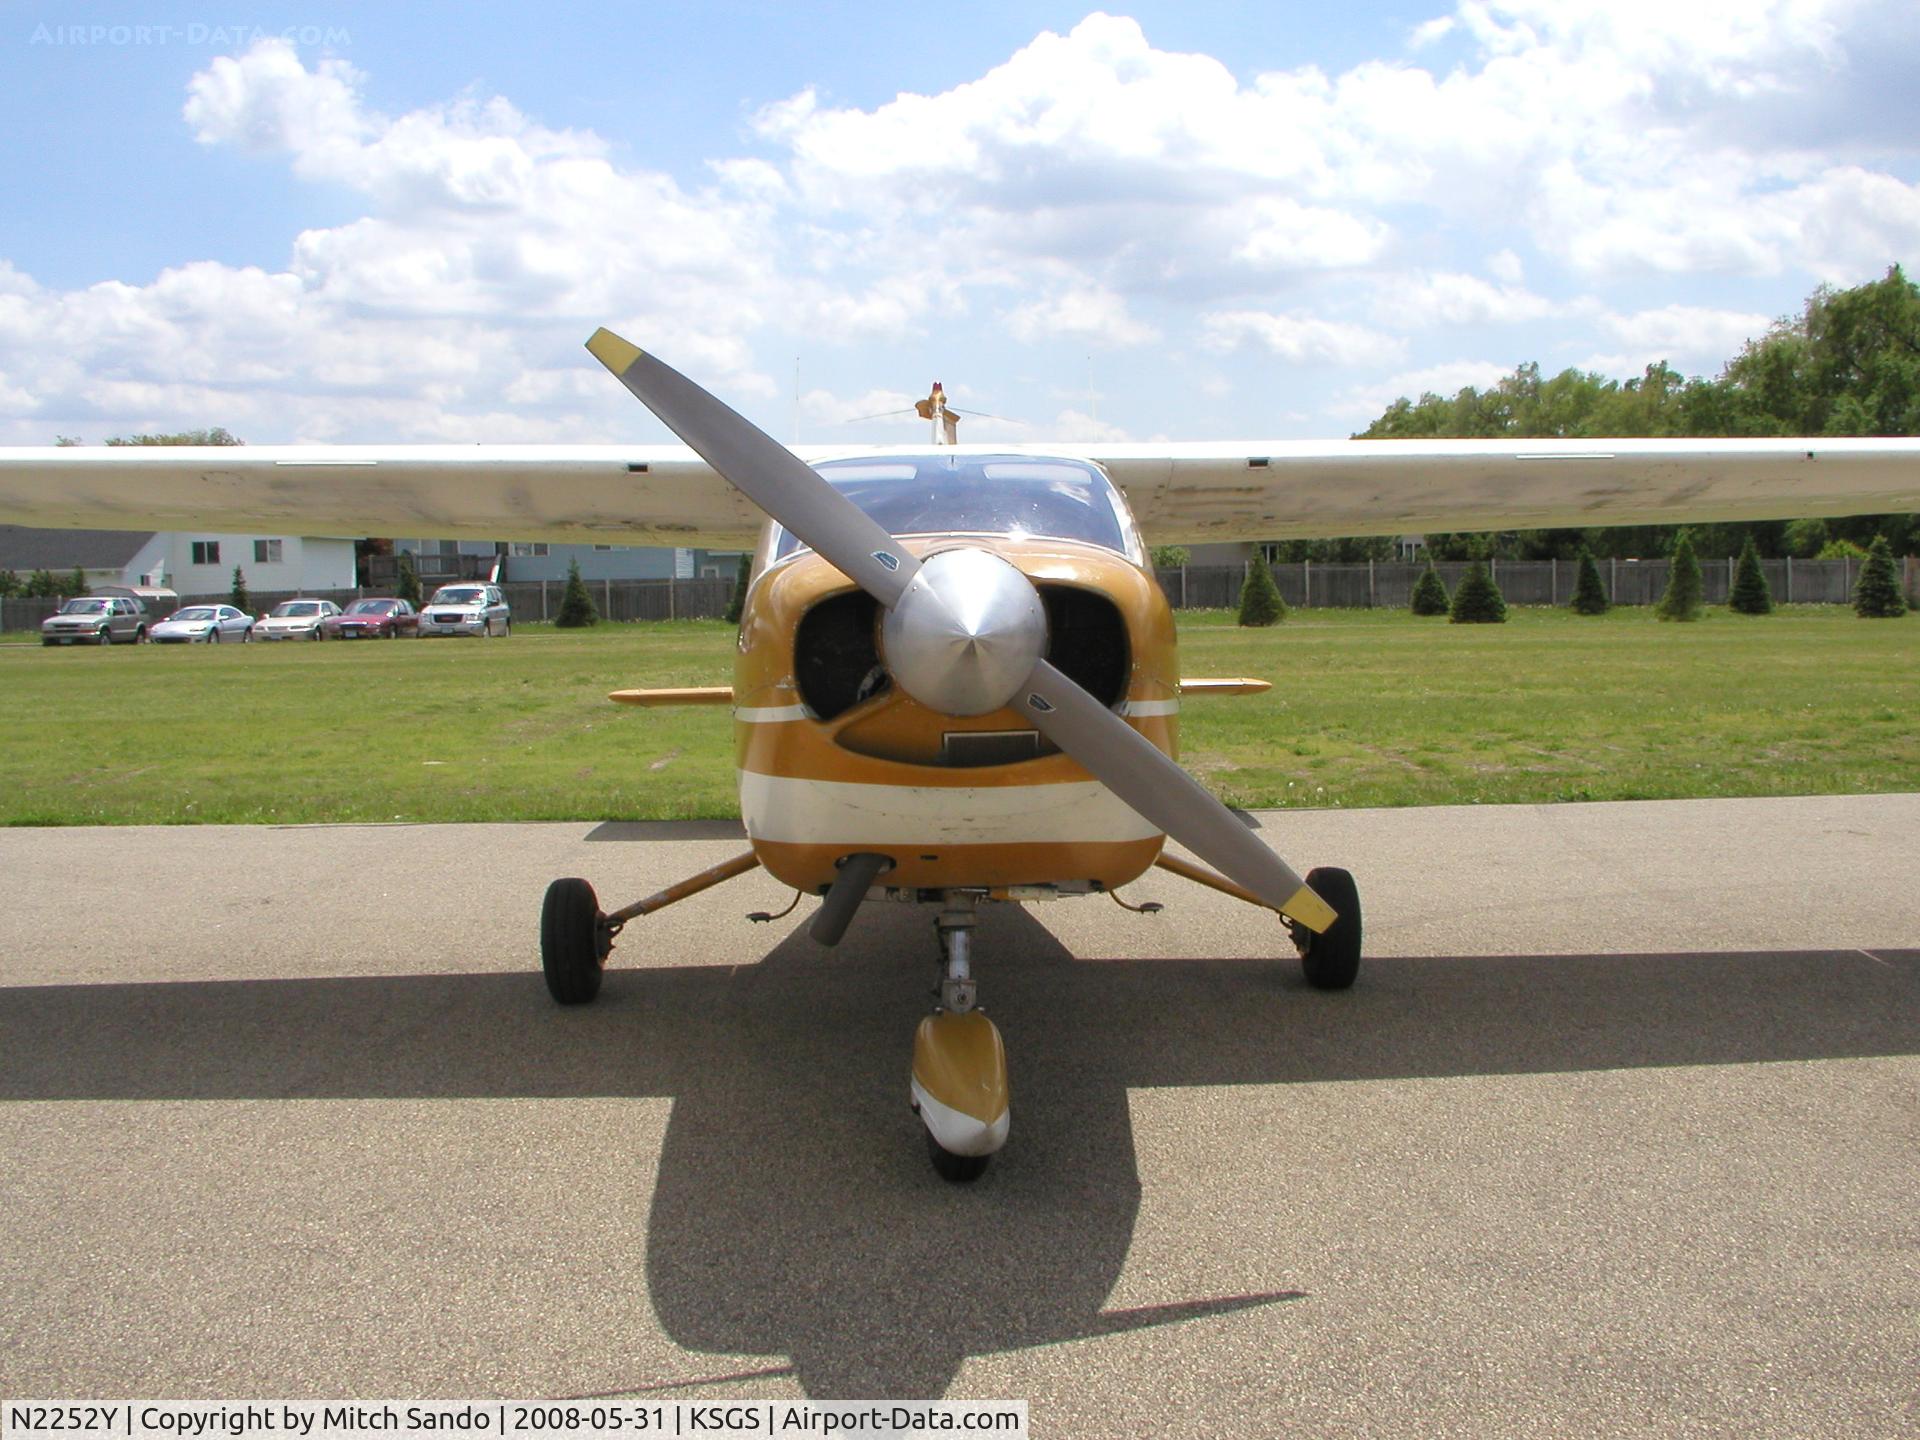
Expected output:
(106, 636)
(213, 635)
(314, 634)
(246, 636)
(955, 1169)
(1332, 960)
(140, 636)
(570, 942)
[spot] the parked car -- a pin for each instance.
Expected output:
(373, 619)
(203, 624)
(96, 620)
(466, 610)
(296, 620)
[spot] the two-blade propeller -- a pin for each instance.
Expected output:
(961, 635)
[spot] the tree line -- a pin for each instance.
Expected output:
(1848, 364)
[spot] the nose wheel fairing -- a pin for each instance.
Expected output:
(959, 1083)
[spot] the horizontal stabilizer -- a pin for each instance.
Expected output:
(1240, 685)
(686, 695)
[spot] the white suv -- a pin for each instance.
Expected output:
(470, 609)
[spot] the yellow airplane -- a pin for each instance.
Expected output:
(956, 681)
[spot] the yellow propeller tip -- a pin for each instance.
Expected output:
(1310, 910)
(613, 352)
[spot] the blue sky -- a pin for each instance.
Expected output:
(358, 223)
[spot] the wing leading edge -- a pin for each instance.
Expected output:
(1202, 491)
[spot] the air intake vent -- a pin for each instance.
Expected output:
(1087, 641)
(836, 658)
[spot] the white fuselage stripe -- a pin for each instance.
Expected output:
(1150, 707)
(768, 714)
(837, 812)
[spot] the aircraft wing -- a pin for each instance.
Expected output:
(1180, 492)
(1318, 489)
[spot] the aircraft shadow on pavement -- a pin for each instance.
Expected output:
(795, 1215)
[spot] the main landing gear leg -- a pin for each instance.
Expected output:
(1330, 960)
(576, 936)
(959, 1083)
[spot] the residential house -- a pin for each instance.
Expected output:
(190, 563)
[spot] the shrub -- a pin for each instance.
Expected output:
(576, 606)
(9, 583)
(238, 597)
(1682, 600)
(738, 599)
(1750, 595)
(1260, 602)
(1478, 601)
(1430, 595)
(1589, 591)
(408, 586)
(1877, 594)
(75, 584)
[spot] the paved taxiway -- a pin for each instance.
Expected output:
(1618, 1133)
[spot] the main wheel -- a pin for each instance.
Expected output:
(570, 953)
(1331, 960)
(955, 1169)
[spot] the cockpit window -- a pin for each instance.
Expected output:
(979, 495)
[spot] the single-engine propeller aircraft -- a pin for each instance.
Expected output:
(956, 681)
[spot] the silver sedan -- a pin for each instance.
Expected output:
(203, 624)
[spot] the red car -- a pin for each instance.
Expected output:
(373, 620)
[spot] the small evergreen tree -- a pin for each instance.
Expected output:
(1682, 600)
(576, 606)
(9, 583)
(408, 586)
(1478, 601)
(1877, 593)
(1589, 591)
(738, 599)
(75, 584)
(42, 586)
(238, 596)
(1430, 595)
(1750, 595)
(1260, 602)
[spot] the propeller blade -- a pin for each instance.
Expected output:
(763, 470)
(1129, 764)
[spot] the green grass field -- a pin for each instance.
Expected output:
(1368, 708)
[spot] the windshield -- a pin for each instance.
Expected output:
(85, 607)
(454, 595)
(372, 607)
(979, 495)
(296, 607)
(193, 612)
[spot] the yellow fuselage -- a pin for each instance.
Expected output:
(880, 775)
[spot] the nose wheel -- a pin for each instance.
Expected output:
(959, 1080)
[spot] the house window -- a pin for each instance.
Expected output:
(534, 548)
(603, 547)
(266, 552)
(206, 552)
